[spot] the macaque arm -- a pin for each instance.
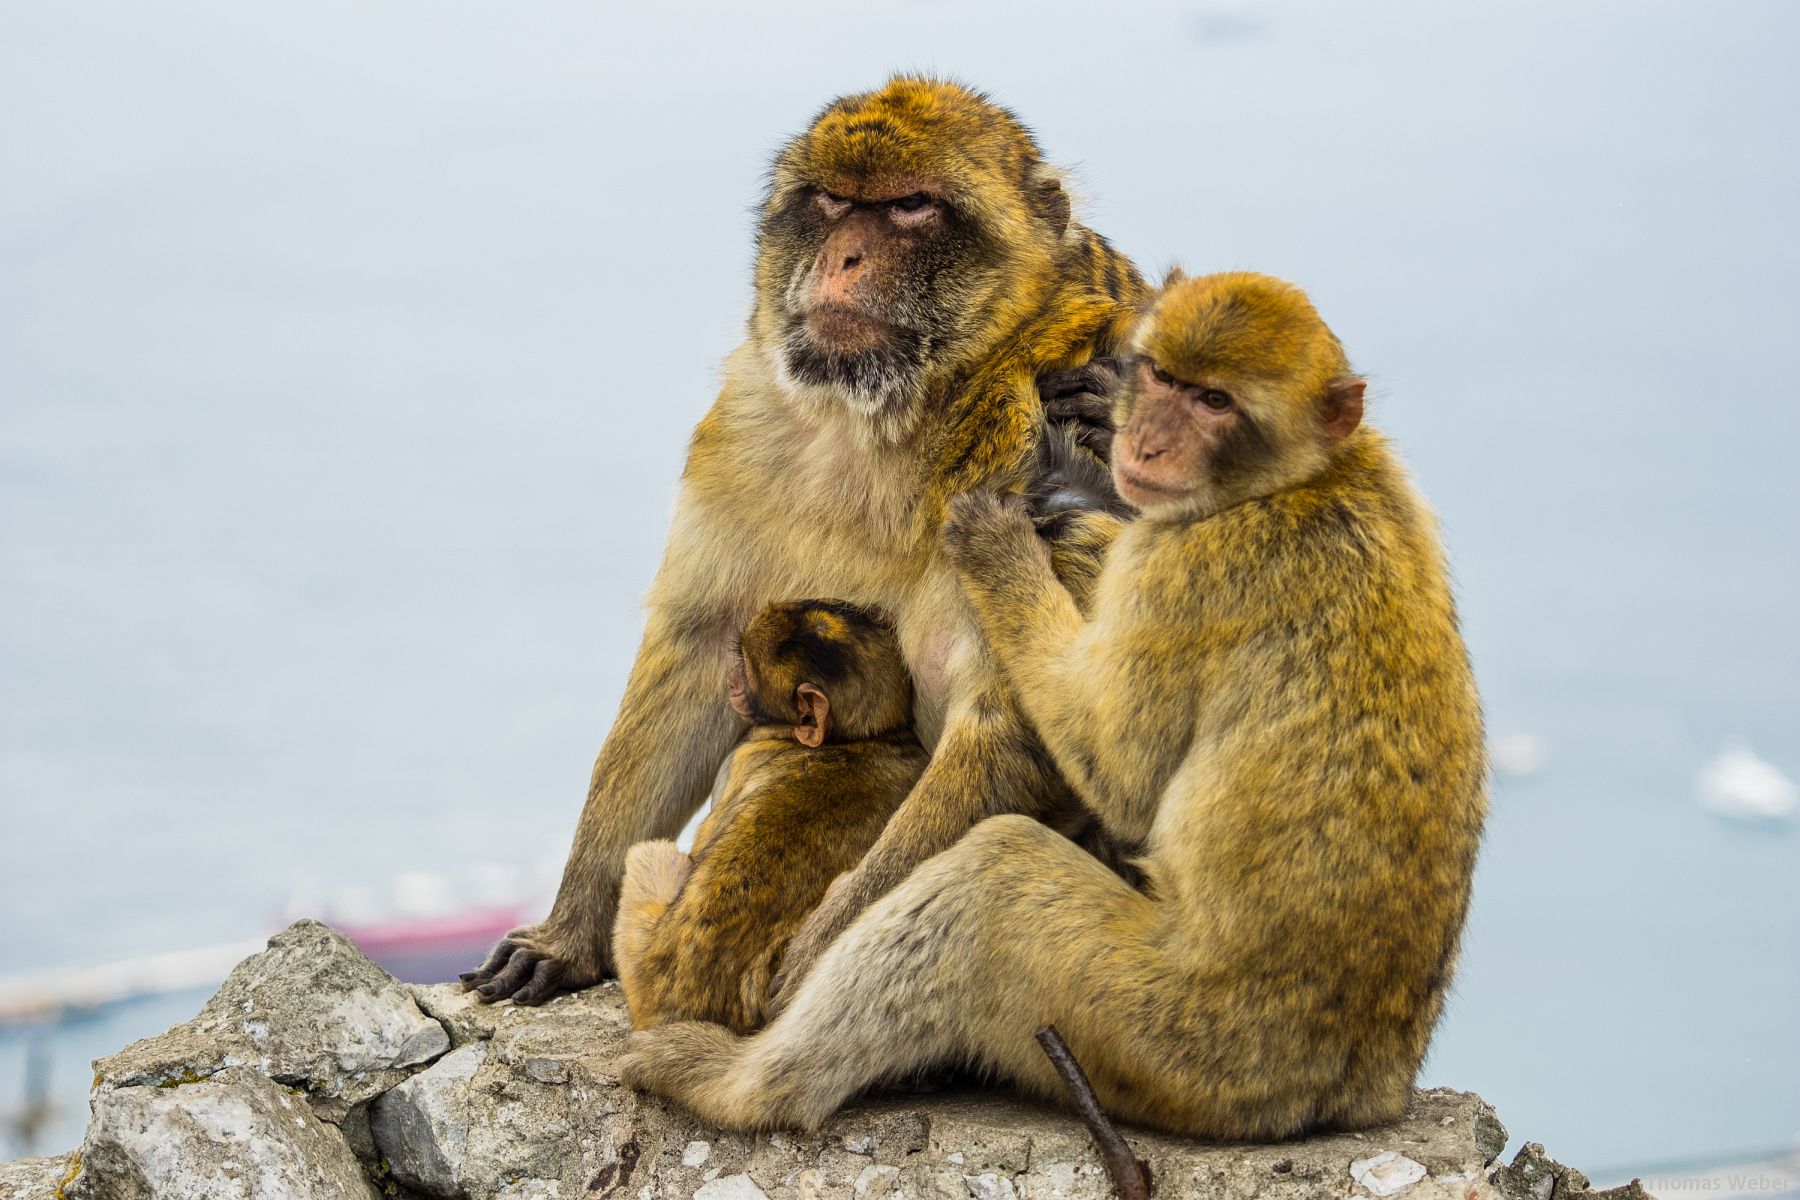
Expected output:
(658, 762)
(1026, 613)
(673, 730)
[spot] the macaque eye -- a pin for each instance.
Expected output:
(1216, 400)
(1162, 376)
(832, 204)
(912, 203)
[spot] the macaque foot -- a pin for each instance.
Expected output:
(691, 1063)
(532, 964)
(654, 873)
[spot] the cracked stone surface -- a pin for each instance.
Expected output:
(310, 1011)
(422, 1126)
(541, 1105)
(312, 1073)
(235, 1135)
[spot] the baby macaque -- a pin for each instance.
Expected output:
(829, 756)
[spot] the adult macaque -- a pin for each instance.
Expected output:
(1272, 695)
(917, 270)
(830, 755)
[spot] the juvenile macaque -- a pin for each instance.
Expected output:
(829, 756)
(1272, 696)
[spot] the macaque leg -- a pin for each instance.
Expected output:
(1013, 929)
(654, 873)
(673, 729)
(985, 764)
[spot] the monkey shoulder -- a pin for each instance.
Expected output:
(1345, 526)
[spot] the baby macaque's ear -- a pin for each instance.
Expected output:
(1343, 406)
(815, 715)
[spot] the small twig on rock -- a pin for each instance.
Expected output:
(1130, 1174)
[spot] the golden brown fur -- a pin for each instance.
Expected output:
(702, 940)
(1273, 695)
(797, 488)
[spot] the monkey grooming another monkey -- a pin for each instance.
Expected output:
(829, 757)
(918, 269)
(1272, 696)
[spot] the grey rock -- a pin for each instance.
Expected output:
(440, 1097)
(991, 1186)
(1534, 1175)
(530, 1189)
(421, 1127)
(1387, 1173)
(233, 1135)
(576, 1125)
(465, 1018)
(732, 1187)
(310, 1011)
(34, 1178)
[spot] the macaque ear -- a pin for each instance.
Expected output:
(815, 715)
(1343, 407)
(1175, 276)
(1051, 201)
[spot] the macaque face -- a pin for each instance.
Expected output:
(871, 283)
(1238, 390)
(1183, 438)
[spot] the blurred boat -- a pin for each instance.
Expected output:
(436, 949)
(1740, 785)
(428, 927)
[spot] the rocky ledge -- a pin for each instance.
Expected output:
(313, 1073)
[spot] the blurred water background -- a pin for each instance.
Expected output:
(348, 353)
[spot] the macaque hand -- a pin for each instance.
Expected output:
(1081, 399)
(533, 964)
(987, 532)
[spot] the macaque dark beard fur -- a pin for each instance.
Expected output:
(870, 380)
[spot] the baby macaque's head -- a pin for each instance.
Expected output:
(829, 669)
